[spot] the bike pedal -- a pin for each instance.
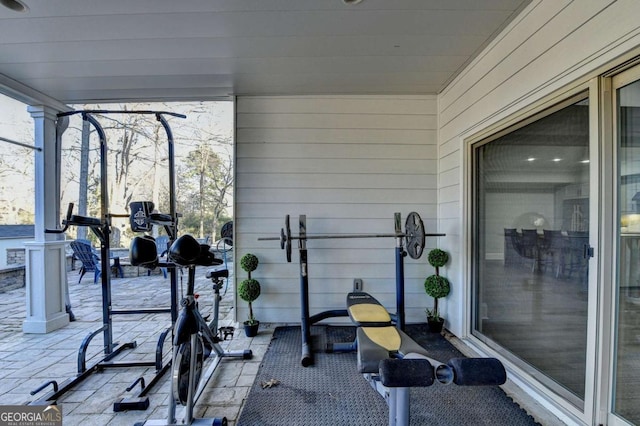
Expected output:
(225, 332)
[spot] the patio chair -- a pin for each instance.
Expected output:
(73, 255)
(90, 261)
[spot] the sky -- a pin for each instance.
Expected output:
(14, 120)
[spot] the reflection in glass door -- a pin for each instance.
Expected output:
(626, 399)
(531, 263)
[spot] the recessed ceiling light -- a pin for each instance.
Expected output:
(585, 161)
(530, 159)
(15, 5)
(555, 160)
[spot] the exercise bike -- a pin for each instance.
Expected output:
(194, 340)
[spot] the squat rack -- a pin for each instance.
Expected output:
(101, 227)
(412, 238)
(22, 144)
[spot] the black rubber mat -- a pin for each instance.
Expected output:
(332, 392)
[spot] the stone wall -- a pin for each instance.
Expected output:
(12, 278)
(15, 256)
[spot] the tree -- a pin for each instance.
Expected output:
(16, 163)
(134, 157)
(137, 160)
(16, 184)
(136, 148)
(207, 182)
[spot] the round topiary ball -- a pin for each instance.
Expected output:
(249, 262)
(438, 258)
(437, 286)
(249, 290)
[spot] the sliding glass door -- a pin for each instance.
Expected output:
(531, 245)
(626, 369)
(539, 204)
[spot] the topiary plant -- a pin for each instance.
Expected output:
(249, 263)
(435, 285)
(249, 289)
(438, 258)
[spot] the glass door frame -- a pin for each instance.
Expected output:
(590, 408)
(610, 85)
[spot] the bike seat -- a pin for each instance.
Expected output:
(218, 273)
(186, 250)
(206, 257)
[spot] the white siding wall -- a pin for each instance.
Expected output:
(550, 45)
(348, 163)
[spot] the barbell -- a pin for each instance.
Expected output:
(414, 235)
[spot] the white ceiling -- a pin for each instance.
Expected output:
(79, 51)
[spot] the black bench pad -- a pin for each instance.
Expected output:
(404, 373)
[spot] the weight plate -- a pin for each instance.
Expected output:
(414, 235)
(283, 238)
(288, 237)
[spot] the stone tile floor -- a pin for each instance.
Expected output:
(29, 360)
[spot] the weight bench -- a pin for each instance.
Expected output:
(393, 363)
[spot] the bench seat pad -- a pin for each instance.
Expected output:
(365, 310)
(378, 343)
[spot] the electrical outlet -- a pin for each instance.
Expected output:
(357, 284)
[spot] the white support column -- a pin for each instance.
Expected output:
(46, 272)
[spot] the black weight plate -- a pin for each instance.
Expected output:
(283, 238)
(414, 235)
(288, 237)
(226, 232)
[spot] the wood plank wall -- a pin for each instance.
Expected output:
(348, 163)
(549, 46)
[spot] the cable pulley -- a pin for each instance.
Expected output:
(413, 235)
